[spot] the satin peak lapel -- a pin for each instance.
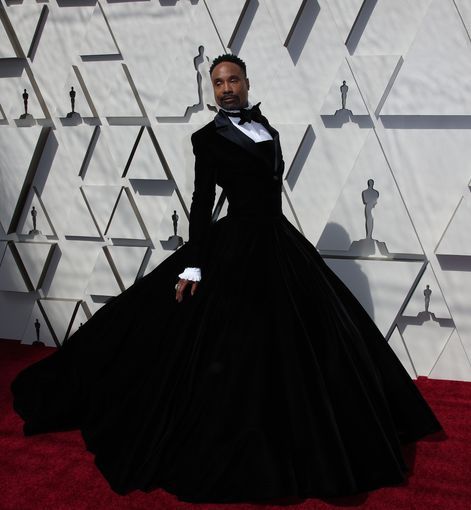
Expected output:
(225, 128)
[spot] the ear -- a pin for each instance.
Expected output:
(248, 83)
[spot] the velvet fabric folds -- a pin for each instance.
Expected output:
(270, 382)
(255, 387)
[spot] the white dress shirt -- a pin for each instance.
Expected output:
(254, 130)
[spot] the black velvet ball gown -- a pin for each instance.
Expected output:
(270, 382)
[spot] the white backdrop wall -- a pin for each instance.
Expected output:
(105, 182)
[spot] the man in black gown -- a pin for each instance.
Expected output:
(241, 124)
(270, 381)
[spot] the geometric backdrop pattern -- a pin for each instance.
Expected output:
(98, 100)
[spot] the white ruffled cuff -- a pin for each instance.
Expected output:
(191, 273)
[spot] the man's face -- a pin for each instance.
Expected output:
(231, 87)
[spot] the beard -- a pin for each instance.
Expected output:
(234, 102)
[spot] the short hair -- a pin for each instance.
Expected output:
(228, 57)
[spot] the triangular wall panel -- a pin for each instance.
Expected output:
(99, 39)
(434, 68)
(35, 258)
(453, 362)
(11, 278)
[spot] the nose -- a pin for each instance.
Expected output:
(227, 87)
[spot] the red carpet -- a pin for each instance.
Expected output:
(54, 471)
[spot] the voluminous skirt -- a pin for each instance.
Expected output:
(270, 382)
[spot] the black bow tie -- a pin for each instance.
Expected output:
(254, 114)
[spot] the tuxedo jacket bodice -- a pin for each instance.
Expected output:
(250, 174)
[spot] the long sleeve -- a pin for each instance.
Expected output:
(201, 206)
